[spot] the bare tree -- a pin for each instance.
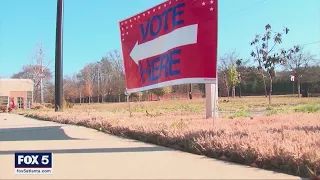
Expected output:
(49, 93)
(101, 78)
(117, 75)
(86, 78)
(70, 87)
(38, 71)
(115, 57)
(106, 69)
(298, 62)
(43, 67)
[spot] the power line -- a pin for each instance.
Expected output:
(310, 43)
(244, 8)
(303, 44)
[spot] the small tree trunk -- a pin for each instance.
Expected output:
(299, 87)
(233, 91)
(264, 85)
(270, 91)
(228, 90)
(190, 91)
(41, 89)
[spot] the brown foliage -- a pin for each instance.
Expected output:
(38, 106)
(287, 143)
(88, 84)
(70, 87)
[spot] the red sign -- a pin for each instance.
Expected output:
(172, 43)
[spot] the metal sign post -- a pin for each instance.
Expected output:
(58, 60)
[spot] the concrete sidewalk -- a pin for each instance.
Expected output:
(81, 153)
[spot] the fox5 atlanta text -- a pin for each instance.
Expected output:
(33, 163)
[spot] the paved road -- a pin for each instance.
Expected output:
(81, 153)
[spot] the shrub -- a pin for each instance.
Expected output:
(273, 111)
(37, 106)
(3, 108)
(242, 113)
(309, 108)
(136, 95)
(161, 91)
(67, 104)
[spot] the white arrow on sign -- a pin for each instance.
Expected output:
(179, 37)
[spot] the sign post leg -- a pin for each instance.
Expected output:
(211, 101)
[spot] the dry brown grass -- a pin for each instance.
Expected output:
(281, 104)
(288, 143)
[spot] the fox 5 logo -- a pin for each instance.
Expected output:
(33, 160)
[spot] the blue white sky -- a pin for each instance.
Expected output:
(91, 28)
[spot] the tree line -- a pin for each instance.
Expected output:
(104, 80)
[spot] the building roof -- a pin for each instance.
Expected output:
(8, 85)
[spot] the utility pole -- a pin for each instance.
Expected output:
(58, 59)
